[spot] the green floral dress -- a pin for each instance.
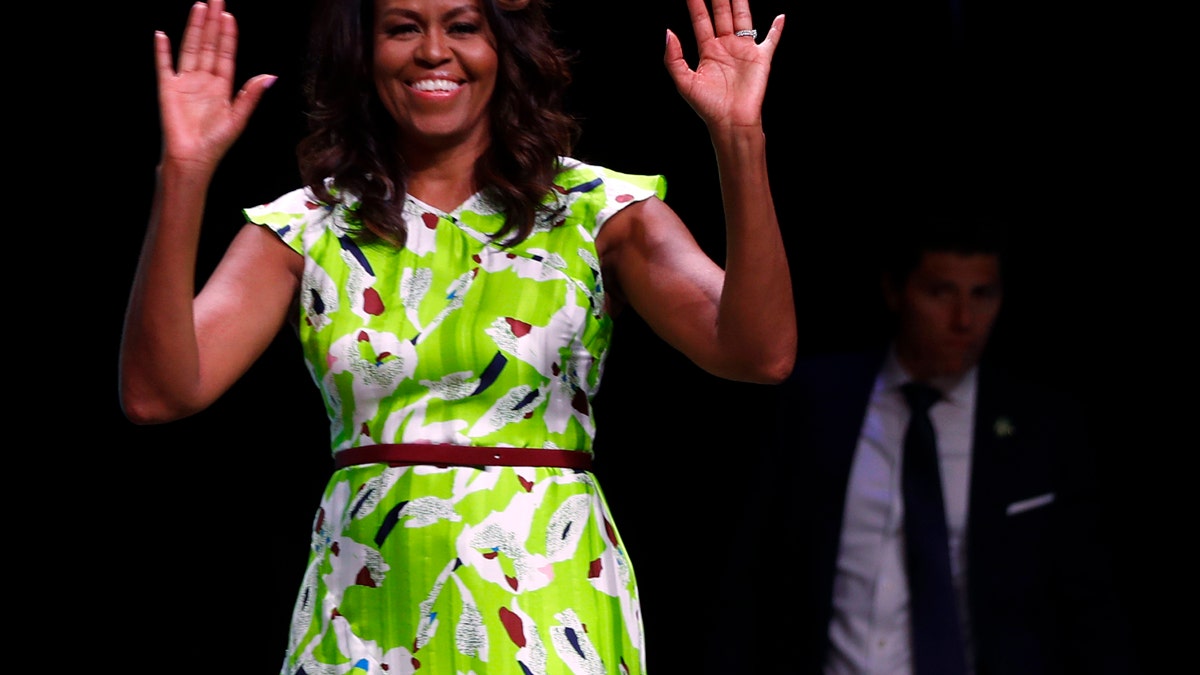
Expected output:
(456, 339)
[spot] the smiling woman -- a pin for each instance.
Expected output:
(435, 71)
(453, 275)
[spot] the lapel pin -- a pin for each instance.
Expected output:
(1004, 427)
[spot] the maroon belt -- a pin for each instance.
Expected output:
(446, 454)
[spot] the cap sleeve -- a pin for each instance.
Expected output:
(294, 217)
(608, 191)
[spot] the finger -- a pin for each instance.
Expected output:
(189, 48)
(701, 25)
(248, 97)
(227, 50)
(677, 68)
(212, 35)
(741, 19)
(772, 40)
(162, 58)
(722, 17)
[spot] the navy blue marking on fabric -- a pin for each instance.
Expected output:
(389, 523)
(491, 372)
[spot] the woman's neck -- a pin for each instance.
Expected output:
(442, 177)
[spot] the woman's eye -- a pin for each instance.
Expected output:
(401, 29)
(464, 27)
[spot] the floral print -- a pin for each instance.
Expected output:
(457, 339)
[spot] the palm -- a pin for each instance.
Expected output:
(728, 85)
(197, 119)
(729, 82)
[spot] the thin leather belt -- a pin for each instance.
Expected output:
(446, 454)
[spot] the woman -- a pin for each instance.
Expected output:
(453, 274)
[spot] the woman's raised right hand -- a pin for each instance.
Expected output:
(201, 116)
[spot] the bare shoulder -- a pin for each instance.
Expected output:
(642, 225)
(258, 245)
(258, 269)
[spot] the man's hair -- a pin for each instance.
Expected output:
(904, 243)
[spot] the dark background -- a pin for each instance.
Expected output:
(185, 538)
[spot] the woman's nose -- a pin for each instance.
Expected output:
(433, 47)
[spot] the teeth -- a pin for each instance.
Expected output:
(435, 85)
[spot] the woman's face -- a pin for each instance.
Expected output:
(435, 70)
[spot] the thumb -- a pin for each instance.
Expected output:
(673, 59)
(248, 97)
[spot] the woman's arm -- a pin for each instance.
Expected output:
(737, 320)
(180, 350)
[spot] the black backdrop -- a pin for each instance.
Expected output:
(194, 534)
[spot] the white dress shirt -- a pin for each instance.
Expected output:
(870, 631)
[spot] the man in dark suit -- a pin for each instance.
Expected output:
(1029, 569)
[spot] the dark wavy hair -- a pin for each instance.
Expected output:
(351, 137)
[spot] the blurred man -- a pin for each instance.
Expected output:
(1009, 526)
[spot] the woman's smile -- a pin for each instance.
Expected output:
(435, 70)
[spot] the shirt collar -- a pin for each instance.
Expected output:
(960, 391)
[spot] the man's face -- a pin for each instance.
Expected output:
(946, 310)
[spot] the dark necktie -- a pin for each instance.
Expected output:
(937, 638)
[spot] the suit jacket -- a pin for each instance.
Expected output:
(1041, 591)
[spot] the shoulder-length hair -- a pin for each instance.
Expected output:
(351, 138)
